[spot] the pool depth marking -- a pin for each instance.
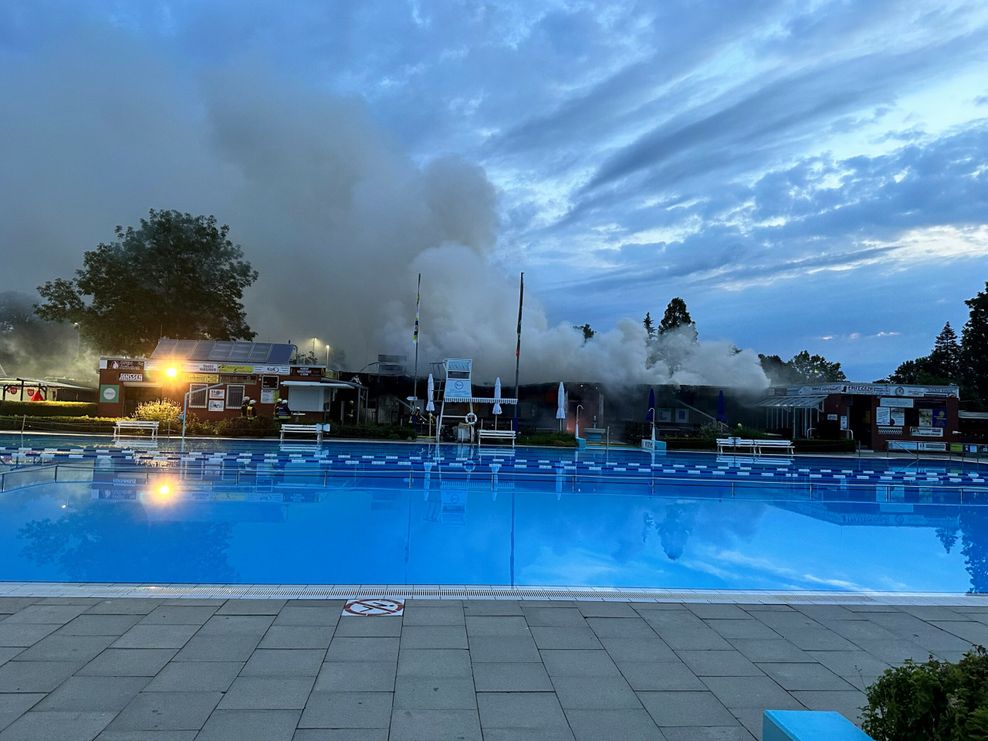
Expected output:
(374, 607)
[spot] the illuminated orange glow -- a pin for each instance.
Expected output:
(162, 493)
(171, 371)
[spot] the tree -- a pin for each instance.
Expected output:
(588, 332)
(808, 368)
(649, 325)
(176, 275)
(778, 371)
(946, 355)
(676, 316)
(974, 349)
(918, 371)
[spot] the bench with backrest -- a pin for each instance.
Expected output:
(136, 425)
(736, 443)
(294, 429)
(775, 445)
(483, 434)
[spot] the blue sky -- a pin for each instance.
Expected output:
(806, 174)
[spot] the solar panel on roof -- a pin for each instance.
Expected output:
(220, 351)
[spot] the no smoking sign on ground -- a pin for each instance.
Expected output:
(374, 607)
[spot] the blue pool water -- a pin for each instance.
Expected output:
(80, 509)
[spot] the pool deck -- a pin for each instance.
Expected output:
(183, 668)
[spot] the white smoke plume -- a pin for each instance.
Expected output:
(337, 219)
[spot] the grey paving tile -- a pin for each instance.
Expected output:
(503, 648)
(791, 676)
(434, 662)
(685, 709)
(666, 675)
(56, 726)
(324, 615)
(99, 625)
(278, 662)
(511, 677)
(579, 663)
(34, 676)
(678, 620)
(297, 636)
(742, 692)
(343, 648)
(219, 647)
(970, 631)
(629, 724)
(364, 626)
(166, 711)
(341, 734)
(415, 615)
(44, 614)
(719, 664)
(893, 652)
(435, 693)
(124, 606)
(10, 605)
(251, 607)
(488, 625)
(433, 636)
(717, 612)
(492, 607)
(195, 676)
(638, 649)
(267, 693)
(355, 676)
(323, 604)
(15, 704)
(849, 663)
(747, 628)
(94, 694)
(179, 615)
(779, 649)
(128, 662)
(715, 733)
(147, 736)
(693, 639)
(520, 710)
(347, 710)
(855, 630)
(238, 725)
(592, 693)
(606, 609)
(848, 704)
(824, 613)
(565, 637)
(236, 625)
(752, 720)
(820, 640)
(528, 734)
(66, 648)
(633, 627)
(25, 634)
(554, 616)
(156, 636)
(426, 725)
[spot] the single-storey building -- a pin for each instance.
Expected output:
(219, 376)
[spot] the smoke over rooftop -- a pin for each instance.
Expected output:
(335, 216)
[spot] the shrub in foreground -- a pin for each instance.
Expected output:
(934, 701)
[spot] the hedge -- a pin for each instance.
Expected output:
(48, 408)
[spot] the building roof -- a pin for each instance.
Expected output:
(222, 351)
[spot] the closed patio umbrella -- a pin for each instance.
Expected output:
(496, 409)
(650, 414)
(561, 405)
(430, 391)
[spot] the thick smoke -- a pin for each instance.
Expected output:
(335, 216)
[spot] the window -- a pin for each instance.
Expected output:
(682, 416)
(234, 395)
(197, 395)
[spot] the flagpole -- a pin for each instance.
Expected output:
(521, 300)
(415, 339)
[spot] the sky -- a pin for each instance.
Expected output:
(807, 175)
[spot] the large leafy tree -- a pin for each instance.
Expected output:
(676, 316)
(974, 349)
(815, 368)
(175, 275)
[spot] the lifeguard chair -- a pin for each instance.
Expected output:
(456, 398)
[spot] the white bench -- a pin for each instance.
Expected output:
(316, 430)
(135, 424)
(495, 435)
(755, 446)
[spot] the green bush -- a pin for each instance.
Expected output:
(48, 408)
(164, 411)
(58, 424)
(934, 701)
(374, 432)
(247, 427)
(552, 439)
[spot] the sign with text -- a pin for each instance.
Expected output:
(131, 376)
(202, 378)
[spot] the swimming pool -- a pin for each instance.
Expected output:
(83, 510)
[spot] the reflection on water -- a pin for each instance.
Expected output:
(286, 527)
